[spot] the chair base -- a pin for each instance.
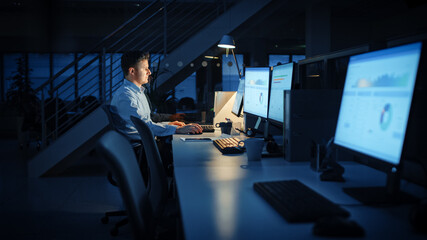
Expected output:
(115, 230)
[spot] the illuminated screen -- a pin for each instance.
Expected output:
(281, 79)
(256, 90)
(376, 102)
(238, 101)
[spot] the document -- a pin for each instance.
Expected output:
(185, 139)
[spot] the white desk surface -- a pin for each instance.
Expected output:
(217, 199)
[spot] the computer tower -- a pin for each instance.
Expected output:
(310, 118)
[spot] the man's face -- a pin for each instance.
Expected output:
(140, 72)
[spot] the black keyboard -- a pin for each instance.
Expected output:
(228, 145)
(296, 202)
(208, 128)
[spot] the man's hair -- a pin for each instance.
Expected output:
(131, 58)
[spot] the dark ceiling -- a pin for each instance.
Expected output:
(75, 25)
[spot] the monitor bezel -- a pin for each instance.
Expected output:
(269, 79)
(377, 163)
(239, 113)
(273, 121)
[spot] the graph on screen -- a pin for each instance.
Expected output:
(376, 101)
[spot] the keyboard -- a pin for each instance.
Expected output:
(208, 128)
(296, 202)
(228, 145)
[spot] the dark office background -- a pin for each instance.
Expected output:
(48, 35)
(51, 33)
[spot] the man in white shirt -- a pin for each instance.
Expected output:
(130, 100)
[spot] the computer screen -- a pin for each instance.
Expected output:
(281, 79)
(257, 81)
(238, 101)
(376, 102)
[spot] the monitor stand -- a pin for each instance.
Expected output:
(390, 194)
(268, 150)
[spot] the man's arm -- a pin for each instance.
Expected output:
(189, 128)
(127, 107)
(160, 117)
(164, 117)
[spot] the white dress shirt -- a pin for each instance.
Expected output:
(130, 100)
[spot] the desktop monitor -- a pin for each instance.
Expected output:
(238, 101)
(374, 113)
(257, 81)
(281, 79)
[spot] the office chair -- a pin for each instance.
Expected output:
(121, 213)
(117, 151)
(106, 108)
(165, 210)
(158, 182)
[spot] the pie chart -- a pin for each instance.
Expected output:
(386, 116)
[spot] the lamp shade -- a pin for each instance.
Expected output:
(226, 42)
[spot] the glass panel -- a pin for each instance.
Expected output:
(114, 74)
(88, 83)
(154, 60)
(185, 90)
(313, 75)
(274, 60)
(59, 62)
(297, 58)
(230, 77)
(10, 68)
(39, 65)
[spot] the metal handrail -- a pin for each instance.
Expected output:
(109, 36)
(132, 35)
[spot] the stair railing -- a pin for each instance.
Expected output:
(91, 79)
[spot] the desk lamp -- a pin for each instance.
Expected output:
(227, 42)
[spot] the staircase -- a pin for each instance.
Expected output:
(71, 118)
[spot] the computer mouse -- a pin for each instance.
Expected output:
(336, 226)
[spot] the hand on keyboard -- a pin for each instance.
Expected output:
(208, 128)
(189, 128)
(176, 123)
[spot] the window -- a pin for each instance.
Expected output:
(40, 69)
(274, 60)
(187, 88)
(113, 74)
(10, 67)
(59, 62)
(88, 78)
(297, 58)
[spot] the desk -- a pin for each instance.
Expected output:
(217, 199)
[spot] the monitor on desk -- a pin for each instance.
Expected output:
(281, 79)
(374, 113)
(238, 101)
(257, 83)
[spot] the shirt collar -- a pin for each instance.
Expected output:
(132, 86)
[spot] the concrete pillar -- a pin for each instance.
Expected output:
(318, 29)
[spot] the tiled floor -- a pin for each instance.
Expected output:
(53, 207)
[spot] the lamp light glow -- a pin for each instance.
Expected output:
(226, 42)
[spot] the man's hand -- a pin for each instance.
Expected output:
(189, 128)
(176, 123)
(177, 117)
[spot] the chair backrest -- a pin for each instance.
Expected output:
(115, 120)
(158, 183)
(120, 157)
(106, 108)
